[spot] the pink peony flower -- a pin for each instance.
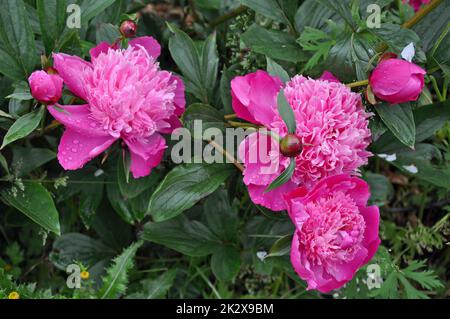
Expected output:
(46, 88)
(328, 76)
(128, 97)
(397, 81)
(416, 4)
(336, 233)
(331, 124)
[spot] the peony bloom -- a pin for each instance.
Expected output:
(416, 4)
(128, 98)
(331, 125)
(397, 81)
(336, 233)
(46, 88)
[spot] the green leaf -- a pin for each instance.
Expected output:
(119, 203)
(225, 88)
(313, 14)
(210, 65)
(426, 278)
(52, 21)
(225, 263)
(208, 115)
(283, 178)
(281, 247)
(73, 248)
(221, 217)
(191, 238)
(107, 32)
(348, 59)
(381, 189)
(23, 126)
(4, 164)
(400, 121)
(155, 288)
(92, 8)
(36, 203)
(187, 58)
(22, 96)
(10, 67)
(395, 36)
(428, 120)
(286, 112)
(184, 186)
(318, 42)
(26, 159)
(277, 70)
(16, 40)
(116, 280)
(430, 27)
(277, 10)
(135, 187)
(274, 44)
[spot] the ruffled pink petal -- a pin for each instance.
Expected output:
(371, 238)
(145, 154)
(240, 90)
(150, 45)
(255, 97)
(263, 97)
(296, 259)
(180, 98)
(263, 161)
(273, 199)
(344, 272)
(172, 124)
(315, 276)
(328, 76)
(76, 149)
(71, 69)
(78, 119)
(102, 47)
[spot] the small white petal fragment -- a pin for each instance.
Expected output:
(411, 168)
(99, 172)
(261, 255)
(408, 52)
(388, 157)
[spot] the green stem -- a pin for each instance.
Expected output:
(208, 282)
(227, 16)
(357, 83)
(444, 89)
(421, 14)
(436, 88)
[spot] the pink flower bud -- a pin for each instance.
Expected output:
(46, 88)
(397, 81)
(290, 145)
(128, 28)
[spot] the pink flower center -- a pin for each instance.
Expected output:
(128, 94)
(334, 230)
